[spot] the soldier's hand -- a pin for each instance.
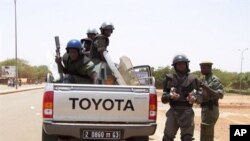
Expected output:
(191, 98)
(58, 59)
(204, 94)
(203, 85)
(174, 96)
(94, 78)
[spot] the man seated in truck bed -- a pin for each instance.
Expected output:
(77, 66)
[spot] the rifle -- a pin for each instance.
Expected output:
(60, 69)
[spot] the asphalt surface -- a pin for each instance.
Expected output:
(4, 89)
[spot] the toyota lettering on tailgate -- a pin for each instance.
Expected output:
(106, 104)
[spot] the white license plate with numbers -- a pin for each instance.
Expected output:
(101, 134)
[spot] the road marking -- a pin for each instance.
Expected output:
(32, 107)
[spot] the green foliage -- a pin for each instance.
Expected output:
(230, 80)
(41, 71)
(225, 77)
(198, 74)
(25, 70)
(159, 75)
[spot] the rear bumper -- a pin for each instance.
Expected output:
(74, 129)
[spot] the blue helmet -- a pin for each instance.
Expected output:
(74, 44)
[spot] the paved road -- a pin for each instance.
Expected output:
(4, 89)
(20, 116)
(21, 119)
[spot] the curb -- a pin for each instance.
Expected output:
(20, 90)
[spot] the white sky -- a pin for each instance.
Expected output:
(148, 31)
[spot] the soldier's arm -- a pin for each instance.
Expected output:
(166, 92)
(100, 44)
(216, 88)
(198, 92)
(89, 68)
(59, 60)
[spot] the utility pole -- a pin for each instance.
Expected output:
(241, 62)
(16, 45)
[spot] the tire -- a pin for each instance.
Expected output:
(46, 137)
(141, 138)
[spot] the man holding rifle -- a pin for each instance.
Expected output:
(79, 67)
(212, 92)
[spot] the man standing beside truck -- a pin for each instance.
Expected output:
(180, 90)
(78, 66)
(212, 92)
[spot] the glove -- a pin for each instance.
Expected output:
(174, 96)
(191, 98)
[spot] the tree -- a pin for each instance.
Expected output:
(245, 81)
(41, 71)
(228, 79)
(25, 70)
(159, 75)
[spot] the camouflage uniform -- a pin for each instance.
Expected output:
(100, 44)
(210, 107)
(180, 115)
(80, 71)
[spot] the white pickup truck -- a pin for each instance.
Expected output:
(124, 112)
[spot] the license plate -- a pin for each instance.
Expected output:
(101, 134)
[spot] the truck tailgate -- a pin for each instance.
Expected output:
(101, 103)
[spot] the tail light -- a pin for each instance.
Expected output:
(152, 107)
(48, 104)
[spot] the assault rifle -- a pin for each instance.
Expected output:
(60, 69)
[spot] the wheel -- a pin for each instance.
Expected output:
(141, 138)
(46, 137)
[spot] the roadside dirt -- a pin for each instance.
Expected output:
(234, 109)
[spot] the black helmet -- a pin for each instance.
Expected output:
(180, 58)
(107, 25)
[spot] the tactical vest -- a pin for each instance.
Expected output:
(183, 87)
(73, 67)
